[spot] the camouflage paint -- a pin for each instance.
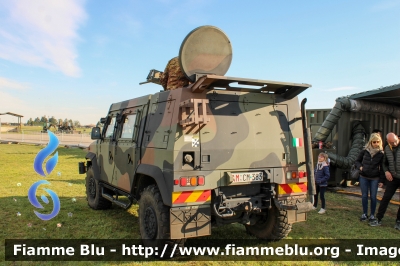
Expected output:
(247, 131)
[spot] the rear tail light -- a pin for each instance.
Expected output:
(295, 174)
(288, 175)
(191, 181)
(200, 181)
(183, 181)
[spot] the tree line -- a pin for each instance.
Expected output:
(53, 121)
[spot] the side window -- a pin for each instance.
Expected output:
(128, 126)
(110, 128)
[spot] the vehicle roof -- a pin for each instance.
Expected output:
(287, 90)
(388, 95)
(130, 103)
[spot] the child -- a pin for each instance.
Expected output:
(321, 175)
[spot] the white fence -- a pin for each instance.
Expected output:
(80, 140)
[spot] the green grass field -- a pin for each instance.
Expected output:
(17, 175)
(27, 129)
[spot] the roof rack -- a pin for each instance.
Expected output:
(286, 89)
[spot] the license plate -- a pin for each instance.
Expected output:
(247, 177)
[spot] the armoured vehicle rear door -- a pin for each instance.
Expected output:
(269, 126)
(127, 152)
(107, 148)
(245, 131)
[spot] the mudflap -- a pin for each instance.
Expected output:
(296, 208)
(190, 221)
(304, 207)
(295, 217)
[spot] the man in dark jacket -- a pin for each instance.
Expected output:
(390, 165)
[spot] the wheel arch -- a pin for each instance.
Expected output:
(93, 160)
(93, 192)
(147, 175)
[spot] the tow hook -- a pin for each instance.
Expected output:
(247, 208)
(229, 213)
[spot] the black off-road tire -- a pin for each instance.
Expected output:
(274, 227)
(93, 193)
(154, 222)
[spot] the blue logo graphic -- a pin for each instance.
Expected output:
(32, 198)
(50, 165)
(49, 149)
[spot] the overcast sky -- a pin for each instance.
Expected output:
(72, 59)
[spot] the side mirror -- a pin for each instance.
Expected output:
(96, 134)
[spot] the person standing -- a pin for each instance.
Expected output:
(369, 163)
(377, 131)
(173, 77)
(322, 175)
(391, 167)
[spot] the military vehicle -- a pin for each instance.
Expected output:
(48, 126)
(222, 150)
(67, 128)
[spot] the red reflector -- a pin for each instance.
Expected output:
(176, 182)
(301, 174)
(183, 182)
(200, 180)
(305, 174)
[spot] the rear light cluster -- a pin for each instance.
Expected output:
(296, 174)
(190, 181)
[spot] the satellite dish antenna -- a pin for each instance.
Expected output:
(205, 50)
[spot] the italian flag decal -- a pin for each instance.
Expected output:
(297, 142)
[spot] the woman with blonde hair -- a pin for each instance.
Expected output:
(369, 162)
